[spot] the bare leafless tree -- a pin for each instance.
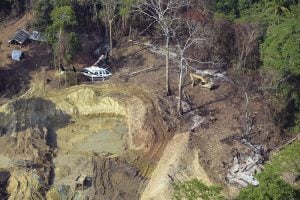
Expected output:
(165, 14)
(191, 34)
(247, 37)
(109, 14)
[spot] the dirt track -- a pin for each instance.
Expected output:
(115, 178)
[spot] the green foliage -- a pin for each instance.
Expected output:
(281, 54)
(257, 13)
(280, 50)
(51, 35)
(125, 7)
(232, 8)
(64, 45)
(195, 189)
(278, 7)
(60, 3)
(62, 17)
(109, 8)
(296, 127)
(286, 160)
(73, 47)
(286, 100)
(295, 11)
(272, 186)
(41, 12)
(228, 7)
(262, 11)
(43, 8)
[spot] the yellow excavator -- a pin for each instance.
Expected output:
(204, 80)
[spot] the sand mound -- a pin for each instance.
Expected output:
(134, 105)
(57, 110)
(178, 163)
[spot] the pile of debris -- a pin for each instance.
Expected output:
(196, 118)
(245, 167)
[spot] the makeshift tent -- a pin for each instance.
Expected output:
(16, 55)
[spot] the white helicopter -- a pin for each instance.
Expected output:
(95, 72)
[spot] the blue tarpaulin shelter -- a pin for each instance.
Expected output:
(16, 55)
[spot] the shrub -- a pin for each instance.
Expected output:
(195, 189)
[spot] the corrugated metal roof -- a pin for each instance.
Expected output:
(20, 37)
(37, 36)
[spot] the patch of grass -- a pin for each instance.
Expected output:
(196, 189)
(287, 160)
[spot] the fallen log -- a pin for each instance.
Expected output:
(143, 70)
(286, 144)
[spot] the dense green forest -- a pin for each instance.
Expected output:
(258, 36)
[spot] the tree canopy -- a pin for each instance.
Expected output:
(62, 17)
(281, 51)
(270, 188)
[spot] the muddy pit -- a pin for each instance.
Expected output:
(82, 140)
(83, 131)
(99, 135)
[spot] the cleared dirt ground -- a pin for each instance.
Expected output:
(56, 128)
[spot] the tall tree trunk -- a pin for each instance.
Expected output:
(110, 37)
(59, 47)
(44, 79)
(26, 5)
(96, 16)
(124, 24)
(65, 72)
(180, 90)
(129, 34)
(168, 91)
(59, 55)
(59, 80)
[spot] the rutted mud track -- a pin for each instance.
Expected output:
(34, 131)
(117, 179)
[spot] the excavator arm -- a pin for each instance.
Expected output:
(204, 80)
